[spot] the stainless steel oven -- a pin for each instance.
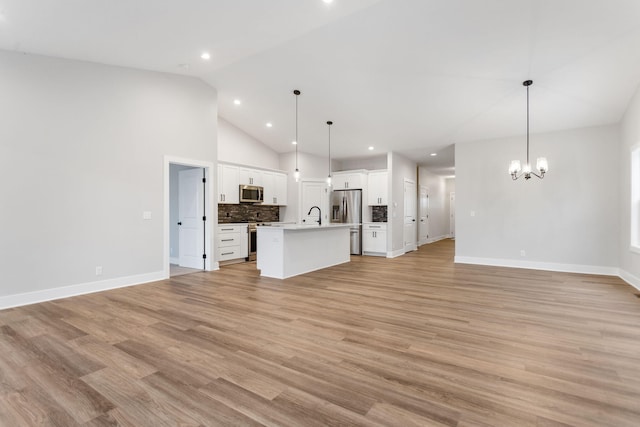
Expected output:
(253, 241)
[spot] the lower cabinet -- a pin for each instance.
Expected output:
(374, 239)
(231, 242)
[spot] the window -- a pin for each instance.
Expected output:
(635, 198)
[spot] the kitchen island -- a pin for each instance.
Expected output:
(290, 249)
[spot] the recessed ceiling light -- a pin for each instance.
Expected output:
(269, 125)
(294, 142)
(206, 56)
(237, 102)
(433, 154)
(328, 1)
(370, 148)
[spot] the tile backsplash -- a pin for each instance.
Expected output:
(247, 212)
(379, 213)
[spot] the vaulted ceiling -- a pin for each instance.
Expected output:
(412, 76)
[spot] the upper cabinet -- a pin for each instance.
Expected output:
(378, 191)
(251, 177)
(275, 188)
(350, 180)
(228, 185)
(230, 177)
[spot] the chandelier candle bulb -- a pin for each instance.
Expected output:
(542, 165)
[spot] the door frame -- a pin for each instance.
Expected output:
(212, 214)
(414, 245)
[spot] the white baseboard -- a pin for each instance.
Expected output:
(534, 265)
(396, 253)
(174, 260)
(435, 239)
(27, 298)
(630, 279)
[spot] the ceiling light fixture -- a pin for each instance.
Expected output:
(296, 174)
(269, 125)
(515, 168)
(237, 102)
(206, 56)
(433, 154)
(329, 123)
(328, 1)
(370, 148)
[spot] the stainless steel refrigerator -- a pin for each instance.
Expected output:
(346, 207)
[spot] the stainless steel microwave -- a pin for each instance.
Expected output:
(251, 194)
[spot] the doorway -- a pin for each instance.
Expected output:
(189, 218)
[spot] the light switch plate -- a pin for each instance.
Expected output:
(146, 215)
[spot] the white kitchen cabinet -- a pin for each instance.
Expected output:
(232, 242)
(281, 188)
(378, 188)
(349, 180)
(275, 188)
(228, 185)
(250, 176)
(374, 239)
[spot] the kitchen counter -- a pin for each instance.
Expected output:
(287, 250)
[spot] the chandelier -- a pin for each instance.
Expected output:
(542, 166)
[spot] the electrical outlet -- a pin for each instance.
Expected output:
(473, 213)
(522, 252)
(99, 271)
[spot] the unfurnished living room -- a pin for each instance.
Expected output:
(320, 213)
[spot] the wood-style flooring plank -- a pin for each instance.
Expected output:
(411, 341)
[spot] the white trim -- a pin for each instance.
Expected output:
(211, 209)
(435, 239)
(534, 265)
(27, 298)
(634, 249)
(630, 279)
(396, 253)
(174, 260)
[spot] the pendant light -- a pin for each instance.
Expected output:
(329, 123)
(515, 168)
(296, 174)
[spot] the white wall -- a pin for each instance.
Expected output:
(567, 219)
(630, 135)
(81, 157)
(400, 169)
(237, 146)
(438, 203)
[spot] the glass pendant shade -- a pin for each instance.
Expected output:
(296, 175)
(329, 180)
(542, 165)
(515, 167)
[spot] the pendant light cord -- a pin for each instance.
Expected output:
(329, 123)
(296, 92)
(528, 124)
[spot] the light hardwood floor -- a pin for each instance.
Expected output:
(411, 341)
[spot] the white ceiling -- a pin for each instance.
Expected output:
(412, 76)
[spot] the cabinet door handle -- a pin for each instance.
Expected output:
(227, 240)
(226, 229)
(227, 253)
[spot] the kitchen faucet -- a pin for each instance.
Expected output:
(319, 214)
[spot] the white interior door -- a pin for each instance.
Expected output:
(410, 232)
(452, 215)
(313, 193)
(190, 213)
(423, 226)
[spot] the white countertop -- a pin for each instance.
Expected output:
(301, 227)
